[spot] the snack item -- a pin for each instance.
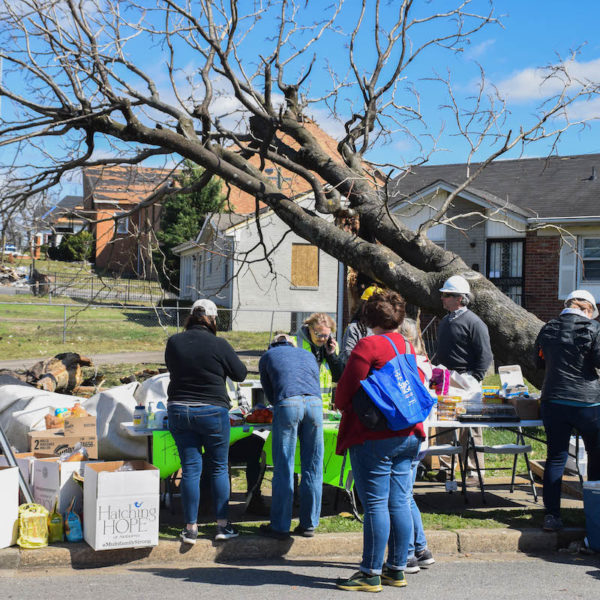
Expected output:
(78, 411)
(260, 415)
(53, 422)
(78, 453)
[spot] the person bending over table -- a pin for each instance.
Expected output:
(569, 349)
(381, 460)
(198, 408)
(290, 380)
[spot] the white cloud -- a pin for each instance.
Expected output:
(533, 84)
(479, 49)
(585, 110)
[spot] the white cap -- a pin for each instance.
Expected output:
(583, 295)
(209, 308)
(456, 285)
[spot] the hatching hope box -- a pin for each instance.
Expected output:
(121, 508)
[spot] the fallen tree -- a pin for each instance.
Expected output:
(75, 72)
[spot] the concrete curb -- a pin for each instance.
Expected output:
(252, 547)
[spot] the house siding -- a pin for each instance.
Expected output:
(258, 292)
(468, 241)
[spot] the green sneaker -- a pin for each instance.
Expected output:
(392, 577)
(360, 582)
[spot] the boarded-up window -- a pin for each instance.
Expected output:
(305, 265)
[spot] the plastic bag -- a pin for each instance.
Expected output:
(78, 453)
(33, 526)
(55, 525)
(465, 386)
(73, 529)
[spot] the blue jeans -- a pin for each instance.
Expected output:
(194, 428)
(383, 478)
(559, 422)
(417, 541)
(297, 417)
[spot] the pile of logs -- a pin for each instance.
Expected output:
(61, 373)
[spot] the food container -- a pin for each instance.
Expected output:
(448, 407)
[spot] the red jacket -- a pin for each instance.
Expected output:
(371, 353)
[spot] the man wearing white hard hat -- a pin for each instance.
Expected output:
(463, 345)
(568, 348)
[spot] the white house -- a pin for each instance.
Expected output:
(226, 263)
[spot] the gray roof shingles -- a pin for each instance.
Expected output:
(541, 187)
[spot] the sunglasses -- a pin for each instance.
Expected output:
(321, 336)
(447, 295)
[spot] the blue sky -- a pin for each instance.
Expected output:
(534, 33)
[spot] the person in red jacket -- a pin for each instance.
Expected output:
(381, 460)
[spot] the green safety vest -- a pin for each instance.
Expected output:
(325, 376)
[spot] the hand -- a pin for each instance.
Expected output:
(331, 345)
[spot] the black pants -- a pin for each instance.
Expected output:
(559, 422)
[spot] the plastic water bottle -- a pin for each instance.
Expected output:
(140, 417)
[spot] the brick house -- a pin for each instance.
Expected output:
(122, 245)
(532, 226)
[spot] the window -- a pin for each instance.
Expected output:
(590, 257)
(505, 267)
(305, 266)
(122, 226)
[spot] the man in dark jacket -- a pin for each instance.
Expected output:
(290, 380)
(463, 345)
(569, 349)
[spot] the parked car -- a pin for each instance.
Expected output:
(11, 248)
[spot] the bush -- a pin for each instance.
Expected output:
(75, 247)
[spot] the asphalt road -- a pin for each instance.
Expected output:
(492, 577)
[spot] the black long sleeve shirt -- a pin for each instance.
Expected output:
(198, 363)
(463, 344)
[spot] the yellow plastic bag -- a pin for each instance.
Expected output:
(33, 526)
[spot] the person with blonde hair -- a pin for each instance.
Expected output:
(419, 556)
(316, 336)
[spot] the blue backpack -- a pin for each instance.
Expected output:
(394, 397)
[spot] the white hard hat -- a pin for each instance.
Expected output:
(456, 285)
(583, 295)
(208, 307)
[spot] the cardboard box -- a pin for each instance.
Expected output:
(80, 426)
(54, 441)
(54, 479)
(24, 462)
(9, 506)
(121, 508)
(527, 408)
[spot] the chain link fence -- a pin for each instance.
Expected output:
(32, 329)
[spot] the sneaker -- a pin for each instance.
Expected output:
(268, 531)
(299, 530)
(188, 536)
(552, 523)
(393, 577)
(360, 582)
(424, 558)
(412, 565)
(227, 532)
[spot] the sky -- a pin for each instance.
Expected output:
(534, 33)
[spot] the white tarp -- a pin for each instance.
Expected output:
(23, 408)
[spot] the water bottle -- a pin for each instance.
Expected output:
(140, 418)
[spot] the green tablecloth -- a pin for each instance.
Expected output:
(166, 458)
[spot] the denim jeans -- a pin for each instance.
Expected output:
(194, 428)
(417, 541)
(559, 421)
(383, 478)
(297, 417)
